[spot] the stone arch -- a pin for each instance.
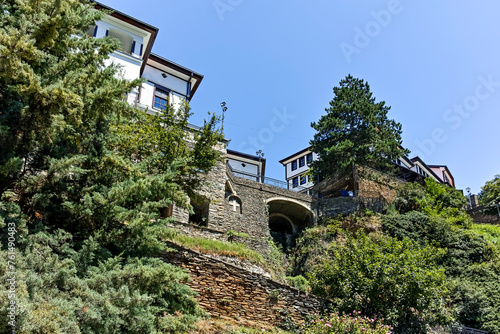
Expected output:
(287, 218)
(282, 217)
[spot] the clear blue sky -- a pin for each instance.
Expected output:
(274, 63)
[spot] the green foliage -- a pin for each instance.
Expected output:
(476, 296)
(210, 246)
(312, 247)
(490, 194)
(61, 290)
(298, 282)
(83, 176)
(231, 234)
(352, 323)
(275, 260)
(163, 141)
(489, 232)
(355, 130)
(398, 280)
(471, 258)
(463, 247)
(434, 199)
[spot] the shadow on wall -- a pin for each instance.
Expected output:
(201, 207)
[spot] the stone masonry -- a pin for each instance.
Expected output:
(225, 290)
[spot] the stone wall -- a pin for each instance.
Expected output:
(374, 184)
(335, 206)
(252, 217)
(225, 290)
(258, 245)
(212, 191)
(479, 217)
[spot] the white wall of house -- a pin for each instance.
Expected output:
(171, 82)
(300, 170)
(243, 166)
(130, 66)
(131, 41)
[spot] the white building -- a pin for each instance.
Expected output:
(296, 170)
(247, 166)
(166, 80)
(299, 179)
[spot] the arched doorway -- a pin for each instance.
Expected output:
(287, 218)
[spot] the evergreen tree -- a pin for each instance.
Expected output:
(490, 195)
(84, 198)
(355, 130)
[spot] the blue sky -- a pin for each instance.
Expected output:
(275, 63)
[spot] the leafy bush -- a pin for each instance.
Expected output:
(490, 193)
(476, 296)
(419, 227)
(298, 282)
(352, 323)
(434, 199)
(463, 246)
(311, 247)
(397, 279)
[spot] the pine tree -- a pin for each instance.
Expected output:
(355, 130)
(85, 198)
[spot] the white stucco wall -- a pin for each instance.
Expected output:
(171, 82)
(248, 168)
(130, 66)
(300, 170)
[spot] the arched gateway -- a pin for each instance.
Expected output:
(287, 218)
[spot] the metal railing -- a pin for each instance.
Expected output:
(456, 329)
(269, 181)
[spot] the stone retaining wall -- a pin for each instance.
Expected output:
(259, 245)
(333, 207)
(374, 184)
(229, 291)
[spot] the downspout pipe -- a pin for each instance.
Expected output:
(188, 88)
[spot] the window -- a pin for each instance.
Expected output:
(295, 182)
(309, 158)
(421, 171)
(303, 179)
(161, 99)
(308, 178)
(302, 162)
(294, 165)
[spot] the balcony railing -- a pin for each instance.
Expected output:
(268, 181)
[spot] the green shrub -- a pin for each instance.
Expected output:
(397, 279)
(352, 323)
(298, 282)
